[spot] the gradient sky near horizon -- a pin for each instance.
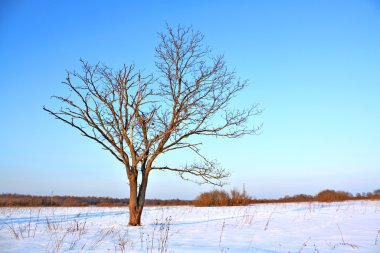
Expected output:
(313, 66)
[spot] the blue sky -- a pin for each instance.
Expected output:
(314, 66)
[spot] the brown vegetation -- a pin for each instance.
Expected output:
(323, 196)
(236, 198)
(222, 198)
(29, 200)
(212, 198)
(330, 196)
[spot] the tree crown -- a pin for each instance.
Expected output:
(138, 117)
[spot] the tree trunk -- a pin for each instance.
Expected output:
(137, 200)
(135, 215)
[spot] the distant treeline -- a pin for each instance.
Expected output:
(29, 200)
(211, 198)
(236, 198)
(323, 196)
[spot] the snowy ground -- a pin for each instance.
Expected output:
(305, 227)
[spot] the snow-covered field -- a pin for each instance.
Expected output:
(306, 227)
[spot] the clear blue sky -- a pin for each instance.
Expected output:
(314, 66)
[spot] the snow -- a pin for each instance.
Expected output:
(352, 226)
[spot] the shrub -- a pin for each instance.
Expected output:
(239, 198)
(331, 196)
(222, 198)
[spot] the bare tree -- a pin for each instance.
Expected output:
(138, 117)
